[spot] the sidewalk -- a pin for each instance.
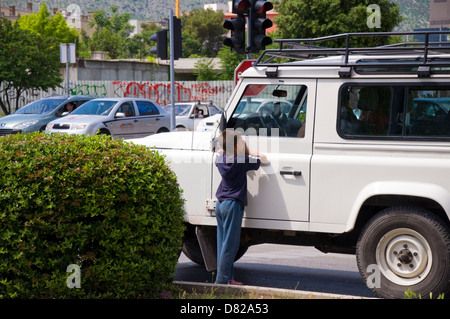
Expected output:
(258, 292)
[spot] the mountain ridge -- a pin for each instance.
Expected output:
(415, 12)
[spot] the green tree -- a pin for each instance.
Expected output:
(317, 18)
(206, 26)
(204, 69)
(140, 44)
(27, 61)
(229, 61)
(43, 23)
(111, 33)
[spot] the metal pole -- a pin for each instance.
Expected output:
(177, 8)
(249, 32)
(67, 68)
(172, 73)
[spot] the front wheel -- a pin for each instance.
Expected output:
(405, 248)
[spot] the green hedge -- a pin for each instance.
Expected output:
(110, 207)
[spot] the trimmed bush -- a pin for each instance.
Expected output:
(110, 207)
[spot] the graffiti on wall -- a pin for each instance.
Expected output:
(88, 89)
(160, 92)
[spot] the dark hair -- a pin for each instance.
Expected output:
(225, 139)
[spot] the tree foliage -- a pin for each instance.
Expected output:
(43, 23)
(317, 18)
(27, 61)
(111, 33)
(205, 26)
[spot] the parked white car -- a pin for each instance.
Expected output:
(119, 117)
(190, 114)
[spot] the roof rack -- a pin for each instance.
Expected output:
(421, 57)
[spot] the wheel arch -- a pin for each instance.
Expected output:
(377, 196)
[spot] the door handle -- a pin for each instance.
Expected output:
(293, 173)
(157, 119)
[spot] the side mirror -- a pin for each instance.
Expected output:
(120, 115)
(222, 122)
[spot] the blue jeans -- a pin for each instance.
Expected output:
(229, 215)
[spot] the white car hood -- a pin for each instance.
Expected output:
(185, 140)
(81, 119)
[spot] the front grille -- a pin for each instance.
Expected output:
(4, 131)
(61, 126)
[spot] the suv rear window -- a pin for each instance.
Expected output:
(394, 111)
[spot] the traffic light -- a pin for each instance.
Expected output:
(241, 6)
(177, 38)
(258, 24)
(237, 26)
(160, 50)
(237, 40)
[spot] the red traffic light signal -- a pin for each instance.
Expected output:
(262, 6)
(241, 6)
(258, 24)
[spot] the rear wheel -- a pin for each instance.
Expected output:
(405, 248)
(191, 248)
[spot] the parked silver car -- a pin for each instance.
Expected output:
(36, 115)
(118, 117)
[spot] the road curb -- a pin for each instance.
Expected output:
(276, 293)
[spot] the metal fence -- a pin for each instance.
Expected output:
(215, 91)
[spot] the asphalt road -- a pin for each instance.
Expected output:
(287, 267)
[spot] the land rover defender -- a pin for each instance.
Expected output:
(358, 144)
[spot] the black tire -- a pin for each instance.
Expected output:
(191, 248)
(163, 130)
(406, 248)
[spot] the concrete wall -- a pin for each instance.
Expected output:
(116, 70)
(159, 91)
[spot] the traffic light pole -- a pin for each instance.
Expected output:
(249, 33)
(172, 73)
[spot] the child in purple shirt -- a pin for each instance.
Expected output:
(233, 162)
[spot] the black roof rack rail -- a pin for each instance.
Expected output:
(424, 54)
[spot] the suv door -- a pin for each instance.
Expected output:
(273, 118)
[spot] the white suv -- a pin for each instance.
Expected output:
(358, 142)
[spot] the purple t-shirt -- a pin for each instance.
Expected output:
(234, 176)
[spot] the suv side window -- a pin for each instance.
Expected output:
(394, 111)
(272, 110)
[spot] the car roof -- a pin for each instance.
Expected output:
(194, 103)
(67, 97)
(118, 99)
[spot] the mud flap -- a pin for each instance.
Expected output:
(207, 239)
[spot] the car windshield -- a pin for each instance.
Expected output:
(95, 107)
(180, 109)
(40, 106)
